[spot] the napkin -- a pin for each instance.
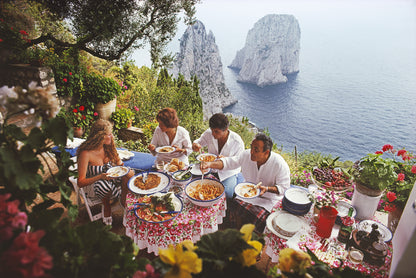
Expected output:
(75, 143)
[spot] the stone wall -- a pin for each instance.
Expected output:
(22, 75)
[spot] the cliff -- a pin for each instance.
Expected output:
(199, 55)
(271, 51)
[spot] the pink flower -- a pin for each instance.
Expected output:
(1, 40)
(378, 152)
(391, 196)
(401, 152)
(387, 147)
(19, 220)
(118, 105)
(414, 169)
(95, 114)
(136, 108)
(125, 87)
(70, 73)
(400, 177)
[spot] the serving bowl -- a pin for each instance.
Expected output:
(184, 179)
(204, 193)
(296, 201)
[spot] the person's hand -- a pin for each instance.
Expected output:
(263, 189)
(151, 147)
(204, 166)
(106, 177)
(177, 149)
(196, 147)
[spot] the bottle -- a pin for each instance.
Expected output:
(345, 230)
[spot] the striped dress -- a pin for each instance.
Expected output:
(103, 187)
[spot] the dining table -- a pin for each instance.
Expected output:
(329, 250)
(191, 224)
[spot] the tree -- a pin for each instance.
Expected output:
(108, 29)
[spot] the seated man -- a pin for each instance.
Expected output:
(258, 164)
(224, 143)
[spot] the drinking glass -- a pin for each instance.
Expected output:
(326, 221)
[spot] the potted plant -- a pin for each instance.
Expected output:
(372, 175)
(122, 118)
(101, 92)
(399, 190)
(79, 117)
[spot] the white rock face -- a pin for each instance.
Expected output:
(199, 56)
(271, 51)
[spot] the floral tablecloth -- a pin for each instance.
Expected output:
(307, 237)
(192, 223)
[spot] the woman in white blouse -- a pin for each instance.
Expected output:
(224, 143)
(169, 133)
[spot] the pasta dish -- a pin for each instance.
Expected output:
(205, 192)
(152, 181)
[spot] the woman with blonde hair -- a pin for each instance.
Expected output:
(94, 157)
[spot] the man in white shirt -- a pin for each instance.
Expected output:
(223, 143)
(259, 164)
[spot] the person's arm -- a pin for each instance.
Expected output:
(200, 142)
(217, 164)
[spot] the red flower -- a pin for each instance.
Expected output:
(70, 73)
(23, 32)
(406, 157)
(400, 177)
(65, 80)
(81, 108)
(391, 196)
(387, 147)
(378, 152)
(83, 117)
(1, 40)
(95, 114)
(75, 110)
(390, 208)
(414, 169)
(401, 152)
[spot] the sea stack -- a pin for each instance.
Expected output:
(271, 51)
(199, 56)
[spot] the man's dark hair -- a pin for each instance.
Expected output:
(267, 141)
(220, 121)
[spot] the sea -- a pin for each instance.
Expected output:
(356, 87)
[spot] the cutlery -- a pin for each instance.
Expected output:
(178, 177)
(168, 212)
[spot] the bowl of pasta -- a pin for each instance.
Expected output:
(204, 193)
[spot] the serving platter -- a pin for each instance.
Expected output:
(164, 182)
(125, 154)
(247, 190)
(118, 171)
(365, 225)
(151, 213)
(269, 222)
(165, 149)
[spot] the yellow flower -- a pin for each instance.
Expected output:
(189, 245)
(183, 262)
(248, 256)
(293, 261)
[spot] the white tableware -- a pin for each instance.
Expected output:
(125, 154)
(118, 171)
(365, 225)
(191, 190)
(292, 222)
(207, 157)
(164, 182)
(247, 190)
(165, 149)
(196, 170)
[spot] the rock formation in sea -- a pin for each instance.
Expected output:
(271, 51)
(198, 55)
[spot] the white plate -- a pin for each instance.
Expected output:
(125, 154)
(270, 218)
(201, 157)
(118, 171)
(365, 225)
(165, 149)
(177, 203)
(196, 171)
(244, 188)
(164, 182)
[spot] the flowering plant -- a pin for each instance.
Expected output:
(80, 116)
(399, 190)
(302, 178)
(325, 199)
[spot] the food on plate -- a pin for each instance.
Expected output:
(117, 171)
(154, 208)
(175, 165)
(151, 181)
(180, 177)
(247, 190)
(166, 149)
(204, 192)
(286, 224)
(207, 157)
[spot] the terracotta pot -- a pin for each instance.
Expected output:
(394, 218)
(78, 131)
(105, 110)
